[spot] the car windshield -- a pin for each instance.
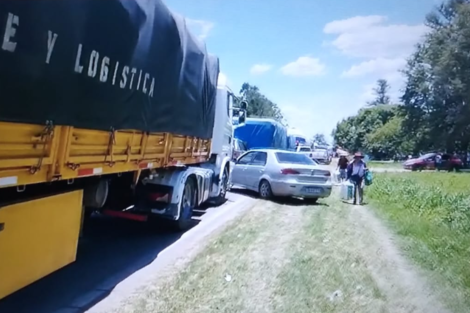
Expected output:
(294, 158)
(426, 156)
(300, 140)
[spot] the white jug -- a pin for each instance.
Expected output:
(347, 191)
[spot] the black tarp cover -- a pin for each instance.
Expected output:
(104, 64)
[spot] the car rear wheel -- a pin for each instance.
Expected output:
(265, 190)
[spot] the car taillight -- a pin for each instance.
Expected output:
(289, 171)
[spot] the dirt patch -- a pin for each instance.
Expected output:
(268, 255)
(345, 260)
(404, 287)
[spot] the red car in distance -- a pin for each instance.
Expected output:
(427, 161)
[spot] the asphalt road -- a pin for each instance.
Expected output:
(110, 252)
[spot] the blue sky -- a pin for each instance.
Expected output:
(318, 60)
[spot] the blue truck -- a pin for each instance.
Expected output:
(263, 133)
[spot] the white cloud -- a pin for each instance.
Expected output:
(356, 23)
(372, 37)
(259, 69)
(304, 66)
(380, 68)
(200, 28)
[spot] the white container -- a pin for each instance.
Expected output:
(347, 191)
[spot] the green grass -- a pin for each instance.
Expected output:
(431, 213)
(382, 164)
(281, 259)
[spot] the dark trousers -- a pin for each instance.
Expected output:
(358, 188)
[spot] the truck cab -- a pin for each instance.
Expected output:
(174, 193)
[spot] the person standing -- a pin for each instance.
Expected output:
(438, 161)
(342, 166)
(355, 172)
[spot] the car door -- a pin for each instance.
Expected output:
(255, 169)
(238, 172)
(431, 163)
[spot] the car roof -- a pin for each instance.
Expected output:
(271, 150)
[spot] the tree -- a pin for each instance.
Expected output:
(259, 105)
(319, 139)
(352, 133)
(389, 140)
(435, 109)
(436, 97)
(381, 93)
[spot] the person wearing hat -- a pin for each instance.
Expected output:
(356, 172)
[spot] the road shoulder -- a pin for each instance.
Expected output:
(176, 256)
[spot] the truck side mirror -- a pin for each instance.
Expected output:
(242, 117)
(243, 105)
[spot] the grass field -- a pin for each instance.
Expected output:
(385, 165)
(277, 258)
(431, 214)
(290, 257)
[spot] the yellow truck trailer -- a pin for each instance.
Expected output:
(39, 230)
(130, 124)
(33, 154)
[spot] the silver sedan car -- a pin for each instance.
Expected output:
(282, 173)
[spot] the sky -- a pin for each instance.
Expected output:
(318, 60)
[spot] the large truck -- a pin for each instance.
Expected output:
(297, 137)
(262, 133)
(109, 106)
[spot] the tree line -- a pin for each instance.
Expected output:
(433, 112)
(258, 105)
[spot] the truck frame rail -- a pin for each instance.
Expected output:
(31, 154)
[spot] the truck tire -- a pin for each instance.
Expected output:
(222, 197)
(187, 205)
(265, 191)
(95, 195)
